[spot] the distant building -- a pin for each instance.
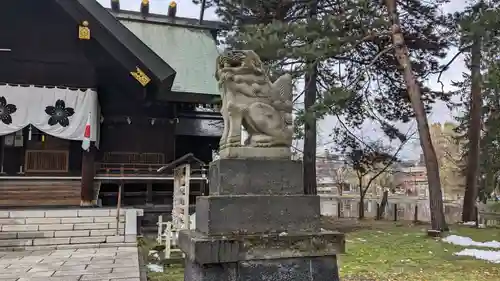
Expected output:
(412, 180)
(332, 173)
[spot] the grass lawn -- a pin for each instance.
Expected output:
(402, 252)
(399, 251)
(175, 273)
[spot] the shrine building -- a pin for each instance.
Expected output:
(93, 98)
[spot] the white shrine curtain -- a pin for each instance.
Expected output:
(62, 113)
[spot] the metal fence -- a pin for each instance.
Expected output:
(396, 209)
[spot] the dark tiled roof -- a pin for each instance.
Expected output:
(120, 42)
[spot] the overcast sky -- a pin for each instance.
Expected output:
(440, 113)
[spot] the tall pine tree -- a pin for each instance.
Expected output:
(477, 31)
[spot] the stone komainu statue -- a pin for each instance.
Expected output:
(249, 99)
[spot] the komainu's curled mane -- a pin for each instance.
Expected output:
(251, 100)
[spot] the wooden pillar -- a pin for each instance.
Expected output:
(2, 154)
(88, 174)
(149, 193)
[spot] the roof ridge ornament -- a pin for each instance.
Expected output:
(172, 9)
(115, 5)
(144, 7)
(140, 76)
(84, 31)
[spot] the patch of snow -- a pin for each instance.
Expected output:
(154, 254)
(491, 256)
(466, 242)
(362, 240)
(473, 223)
(154, 267)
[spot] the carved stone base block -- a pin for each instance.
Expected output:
(260, 177)
(244, 152)
(289, 269)
(290, 257)
(249, 214)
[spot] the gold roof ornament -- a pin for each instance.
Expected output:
(172, 9)
(145, 7)
(84, 31)
(140, 76)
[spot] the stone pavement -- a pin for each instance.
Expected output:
(93, 264)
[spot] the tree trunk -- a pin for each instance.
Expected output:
(361, 204)
(361, 208)
(474, 134)
(438, 221)
(383, 204)
(340, 202)
(310, 186)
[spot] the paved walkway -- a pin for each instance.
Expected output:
(102, 264)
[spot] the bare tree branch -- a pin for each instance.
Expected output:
(387, 165)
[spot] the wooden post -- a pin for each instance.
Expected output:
(339, 208)
(204, 187)
(118, 206)
(88, 174)
(149, 193)
(2, 151)
(477, 216)
(415, 215)
(139, 226)
(160, 229)
(395, 211)
(168, 241)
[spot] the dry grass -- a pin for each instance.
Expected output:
(381, 250)
(400, 251)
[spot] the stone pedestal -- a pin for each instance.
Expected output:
(256, 224)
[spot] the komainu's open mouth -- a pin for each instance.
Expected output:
(232, 59)
(230, 64)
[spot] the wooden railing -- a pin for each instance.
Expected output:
(127, 168)
(47, 161)
(130, 163)
(133, 158)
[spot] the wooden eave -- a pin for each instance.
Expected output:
(120, 42)
(192, 98)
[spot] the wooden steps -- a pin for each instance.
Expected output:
(27, 193)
